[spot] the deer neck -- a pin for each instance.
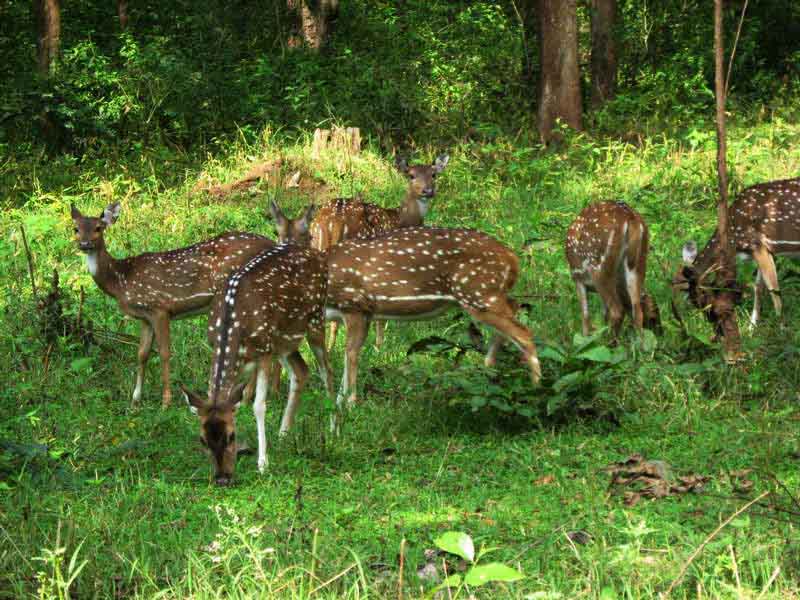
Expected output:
(103, 269)
(412, 212)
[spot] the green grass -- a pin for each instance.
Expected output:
(129, 491)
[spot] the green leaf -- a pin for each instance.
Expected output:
(568, 380)
(480, 574)
(551, 353)
(458, 543)
(81, 364)
(601, 354)
(608, 593)
(649, 341)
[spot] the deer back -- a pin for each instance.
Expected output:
(604, 234)
(184, 280)
(412, 270)
(266, 307)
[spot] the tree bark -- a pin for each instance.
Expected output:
(48, 25)
(313, 19)
(559, 80)
(122, 13)
(604, 51)
(724, 304)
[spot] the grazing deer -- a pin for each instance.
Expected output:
(417, 273)
(606, 250)
(352, 218)
(157, 287)
(764, 222)
(268, 306)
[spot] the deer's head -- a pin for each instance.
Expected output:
(89, 230)
(292, 230)
(422, 178)
(218, 429)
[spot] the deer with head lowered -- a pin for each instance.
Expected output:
(352, 218)
(157, 287)
(606, 249)
(265, 310)
(764, 222)
(417, 273)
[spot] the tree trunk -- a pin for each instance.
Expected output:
(604, 52)
(724, 304)
(122, 13)
(559, 80)
(48, 25)
(312, 20)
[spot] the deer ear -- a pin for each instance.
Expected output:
(441, 162)
(401, 164)
(303, 222)
(275, 210)
(236, 395)
(110, 214)
(689, 253)
(195, 402)
(76, 214)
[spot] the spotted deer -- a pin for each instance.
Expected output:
(352, 218)
(764, 221)
(606, 249)
(417, 273)
(266, 309)
(157, 287)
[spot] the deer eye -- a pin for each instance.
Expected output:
(77, 230)
(231, 438)
(98, 229)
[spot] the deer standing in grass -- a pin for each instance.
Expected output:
(352, 218)
(764, 222)
(417, 273)
(266, 309)
(606, 250)
(157, 287)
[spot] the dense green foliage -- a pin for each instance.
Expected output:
(101, 500)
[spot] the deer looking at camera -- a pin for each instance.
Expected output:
(266, 309)
(157, 287)
(764, 222)
(606, 250)
(352, 218)
(417, 273)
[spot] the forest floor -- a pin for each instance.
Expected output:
(122, 500)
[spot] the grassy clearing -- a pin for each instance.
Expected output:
(127, 493)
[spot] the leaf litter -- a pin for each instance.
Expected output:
(638, 478)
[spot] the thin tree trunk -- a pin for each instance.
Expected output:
(313, 20)
(48, 26)
(122, 13)
(724, 304)
(559, 80)
(604, 52)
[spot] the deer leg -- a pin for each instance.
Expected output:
(586, 320)
(380, 327)
(769, 275)
(633, 288)
(275, 379)
(490, 360)
(161, 328)
(145, 345)
(260, 408)
(501, 319)
(357, 326)
(298, 375)
(334, 327)
(758, 289)
(316, 340)
(614, 312)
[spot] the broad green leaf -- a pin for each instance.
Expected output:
(458, 543)
(480, 574)
(81, 364)
(608, 593)
(649, 341)
(551, 354)
(601, 354)
(568, 380)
